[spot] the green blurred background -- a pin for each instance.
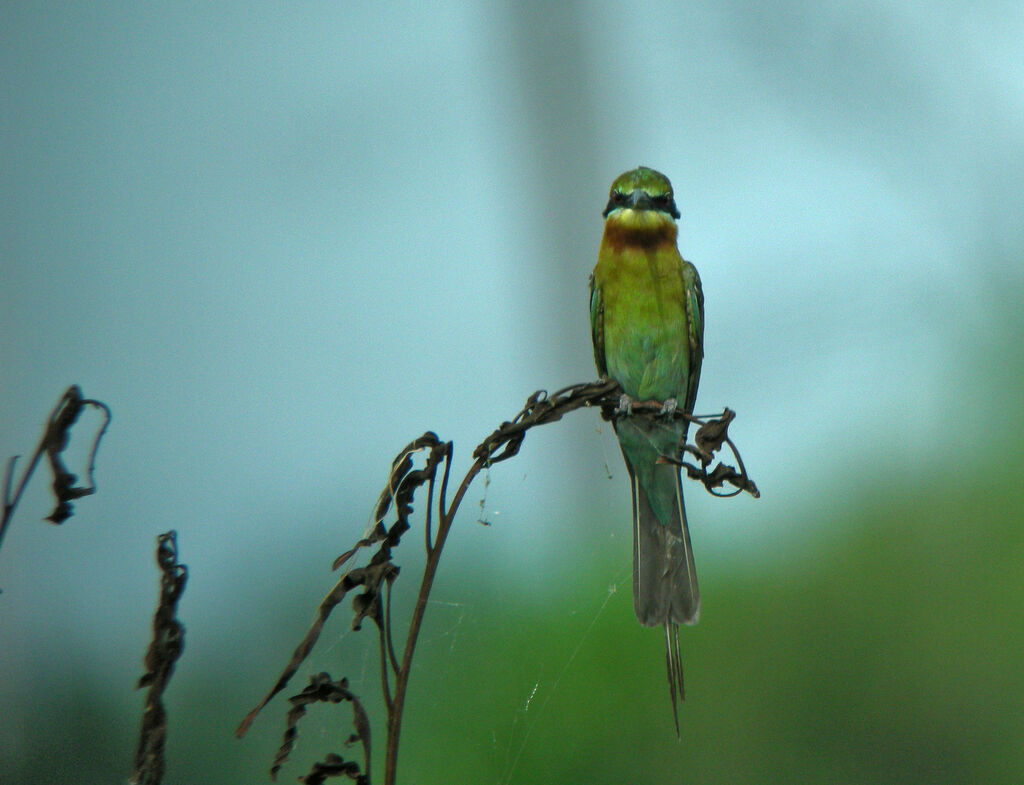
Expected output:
(280, 241)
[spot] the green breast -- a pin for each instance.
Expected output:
(647, 343)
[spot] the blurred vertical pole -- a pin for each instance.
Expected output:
(559, 96)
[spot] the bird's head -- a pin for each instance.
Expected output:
(641, 201)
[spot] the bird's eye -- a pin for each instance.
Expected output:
(618, 197)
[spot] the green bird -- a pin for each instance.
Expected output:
(647, 322)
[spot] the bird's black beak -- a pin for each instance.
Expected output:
(640, 200)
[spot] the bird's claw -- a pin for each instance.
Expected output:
(625, 405)
(668, 408)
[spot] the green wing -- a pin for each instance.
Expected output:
(694, 328)
(597, 327)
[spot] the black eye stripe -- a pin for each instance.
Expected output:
(663, 202)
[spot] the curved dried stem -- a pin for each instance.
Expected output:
(54, 441)
(395, 504)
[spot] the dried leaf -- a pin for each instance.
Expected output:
(322, 689)
(164, 651)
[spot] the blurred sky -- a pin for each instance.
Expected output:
(282, 240)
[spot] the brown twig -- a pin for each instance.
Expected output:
(377, 577)
(54, 441)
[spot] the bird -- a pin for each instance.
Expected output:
(647, 325)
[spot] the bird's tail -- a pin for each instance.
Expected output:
(665, 588)
(674, 663)
(664, 576)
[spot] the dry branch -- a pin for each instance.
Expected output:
(377, 578)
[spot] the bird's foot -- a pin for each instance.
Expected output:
(625, 405)
(668, 408)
